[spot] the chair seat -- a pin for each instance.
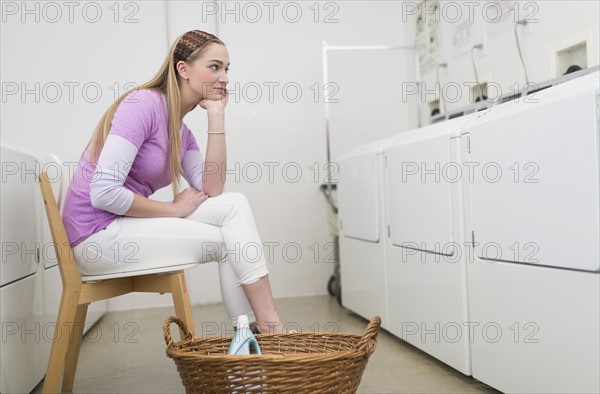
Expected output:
(160, 270)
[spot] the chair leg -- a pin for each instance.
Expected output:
(66, 317)
(181, 300)
(74, 346)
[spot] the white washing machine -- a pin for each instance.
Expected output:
(20, 279)
(426, 260)
(363, 231)
(532, 211)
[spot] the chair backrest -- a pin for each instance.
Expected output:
(64, 253)
(55, 171)
(58, 177)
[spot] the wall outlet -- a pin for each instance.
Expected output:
(573, 57)
(478, 93)
(434, 108)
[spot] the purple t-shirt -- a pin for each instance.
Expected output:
(141, 118)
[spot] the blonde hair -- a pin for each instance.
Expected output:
(164, 81)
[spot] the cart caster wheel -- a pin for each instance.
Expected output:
(332, 286)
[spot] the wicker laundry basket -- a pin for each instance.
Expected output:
(289, 363)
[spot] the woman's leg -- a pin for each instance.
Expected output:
(133, 244)
(261, 300)
(243, 265)
(255, 297)
(222, 229)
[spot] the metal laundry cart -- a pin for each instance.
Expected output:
(334, 286)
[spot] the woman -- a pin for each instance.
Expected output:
(141, 145)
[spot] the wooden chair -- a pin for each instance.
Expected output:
(79, 291)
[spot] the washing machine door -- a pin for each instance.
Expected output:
(359, 194)
(420, 176)
(535, 193)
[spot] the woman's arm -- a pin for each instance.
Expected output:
(213, 181)
(108, 193)
(183, 205)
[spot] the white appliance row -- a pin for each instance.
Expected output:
(477, 239)
(30, 283)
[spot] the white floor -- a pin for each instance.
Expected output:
(125, 351)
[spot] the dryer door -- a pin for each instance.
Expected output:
(535, 196)
(358, 196)
(419, 177)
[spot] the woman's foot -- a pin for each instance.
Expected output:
(269, 328)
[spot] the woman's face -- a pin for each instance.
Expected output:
(208, 73)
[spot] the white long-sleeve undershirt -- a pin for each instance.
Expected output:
(106, 187)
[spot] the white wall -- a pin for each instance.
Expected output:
(97, 59)
(285, 132)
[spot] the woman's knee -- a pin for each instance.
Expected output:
(234, 198)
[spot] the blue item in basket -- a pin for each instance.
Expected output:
(243, 339)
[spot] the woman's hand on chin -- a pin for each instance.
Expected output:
(214, 103)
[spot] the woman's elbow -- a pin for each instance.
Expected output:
(111, 200)
(213, 191)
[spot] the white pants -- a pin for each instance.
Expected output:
(222, 229)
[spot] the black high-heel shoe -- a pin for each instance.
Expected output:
(255, 330)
